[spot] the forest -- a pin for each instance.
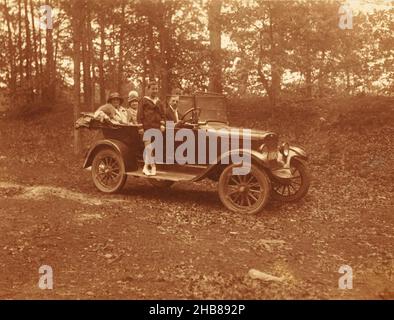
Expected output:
(274, 49)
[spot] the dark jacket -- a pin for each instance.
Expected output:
(149, 114)
(170, 114)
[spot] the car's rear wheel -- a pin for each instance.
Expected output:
(246, 194)
(108, 171)
(162, 184)
(295, 188)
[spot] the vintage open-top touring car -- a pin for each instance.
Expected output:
(277, 171)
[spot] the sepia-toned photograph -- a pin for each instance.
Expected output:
(196, 150)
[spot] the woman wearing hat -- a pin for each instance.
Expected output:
(133, 101)
(113, 110)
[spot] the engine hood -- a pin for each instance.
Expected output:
(255, 134)
(258, 137)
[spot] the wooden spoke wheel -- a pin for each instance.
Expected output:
(295, 188)
(108, 171)
(247, 194)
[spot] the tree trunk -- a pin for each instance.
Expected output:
(308, 81)
(11, 51)
(20, 44)
(50, 73)
(112, 72)
(76, 25)
(347, 80)
(308, 73)
(151, 50)
(35, 56)
(215, 36)
(275, 70)
(40, 56)
(101, 63)
(87, 92)
(91, 58)
(321, 76)
(28, 52)
(164, 40)
(263, 78)
(121, 49)
(144, 66)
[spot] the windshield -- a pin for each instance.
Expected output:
(213, 107)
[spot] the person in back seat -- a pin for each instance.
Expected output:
(133, 101)
(113, 110)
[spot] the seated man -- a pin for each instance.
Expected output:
(113, 110)
(172, 112)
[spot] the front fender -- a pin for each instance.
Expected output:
(285, 172)
(227, 159)
(299, 152)
(127, 153)
(255, 156)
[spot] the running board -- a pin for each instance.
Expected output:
(170, 172)
(163, 175)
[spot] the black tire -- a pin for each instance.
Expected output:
(162, 184)
(294, 189)
(246, 194)
(108, 171)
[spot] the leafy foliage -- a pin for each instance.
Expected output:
(277, 49)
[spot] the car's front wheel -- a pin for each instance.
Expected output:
(246, 194)
(108, 171)
(295, 188)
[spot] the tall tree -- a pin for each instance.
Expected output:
(50, 68)
(122, 48)
(76, 27)
(34, 49)
(215, 37)
(101, 19)
(28, 51)
(11, 50)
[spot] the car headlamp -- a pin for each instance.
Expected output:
(285, 149)
(263, 148)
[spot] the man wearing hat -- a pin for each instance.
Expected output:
(113, 110)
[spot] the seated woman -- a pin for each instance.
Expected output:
(151, 116)
(133, 101)
(113, 110)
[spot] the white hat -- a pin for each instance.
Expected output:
(133, 96)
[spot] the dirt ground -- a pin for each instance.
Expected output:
(181, 243)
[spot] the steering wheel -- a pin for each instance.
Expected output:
(195, 112)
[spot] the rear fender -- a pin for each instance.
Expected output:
(127, 154)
